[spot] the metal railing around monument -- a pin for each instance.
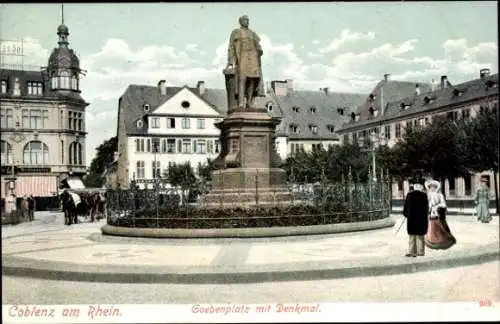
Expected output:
(162, 206)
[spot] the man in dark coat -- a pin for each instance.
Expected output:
(31, 208)
(416, 210)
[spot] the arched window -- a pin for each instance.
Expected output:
(35, 153)
(6, 153)
(75, 153)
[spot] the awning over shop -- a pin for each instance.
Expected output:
(38, 186)
(73, 183)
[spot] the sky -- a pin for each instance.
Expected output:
(347, 46)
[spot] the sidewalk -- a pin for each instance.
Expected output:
(81, 253)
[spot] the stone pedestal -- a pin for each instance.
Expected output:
(248, 166)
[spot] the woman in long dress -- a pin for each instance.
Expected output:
(439, 235)
(482, 202)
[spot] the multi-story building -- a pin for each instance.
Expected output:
(43, 125)
(462, 100)
(160, 126)
(309, 118)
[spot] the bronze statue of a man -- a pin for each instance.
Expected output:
(244, 57)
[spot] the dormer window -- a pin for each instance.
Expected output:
(373, 96)
(312, 110)
(340, 111)
(269, 106)
(331, 128)
(294, 129)
(140, 124)
(35, 88)
(145, 107)
(296, 109)
(353, 117)
(313, 129)
(372, 111)
(404, 106)
(491, 84)
(17, 87)
(185, 104)
(428, 100)
(457, 92)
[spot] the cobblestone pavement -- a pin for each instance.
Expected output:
(472, 283)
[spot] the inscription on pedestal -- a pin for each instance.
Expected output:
(256, 151)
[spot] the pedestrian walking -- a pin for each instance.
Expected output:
(439, 234)
(482, 202)
(24, 207)
(31, 208)
(415, 210)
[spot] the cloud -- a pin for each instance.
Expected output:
(346, 37)
(315, 41)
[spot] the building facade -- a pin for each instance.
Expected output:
(458, 101)
(160, 126)
(43, 125)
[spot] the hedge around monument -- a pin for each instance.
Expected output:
(239, 217)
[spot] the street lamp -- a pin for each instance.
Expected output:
(375, 141)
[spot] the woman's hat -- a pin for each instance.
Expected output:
(432, 182)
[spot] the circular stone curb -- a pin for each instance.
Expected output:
(246, 232)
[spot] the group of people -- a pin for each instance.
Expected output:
(425, 211)
(28, 207)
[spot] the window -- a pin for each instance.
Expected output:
(170, 145)
(294, 129)
(398, 131)
(155, 167)
(355, 138)
(164, 146)
(451, 183)
(25, 118)
(74, 83)
(145, 107)
(387, 132)
(62, 151)
(186, 146)
(408, 125)
(64, 80)
(313, 129)
(3, 86)
(179, 146)
(312, 110)
(156, 145)
(185, 104)
(75, 153)
(148, 145)
(6, 153)
(201, 146)
(80, 122)
(70, 119)
(468, 185)
(317, 146)
(186, 123)
(372, 111)
(140, 170)
(200, 123)
(35, 88)
(269, 106)
(7, 118)
(331, 128)
(170, 122)
(36, 119)
(296, 109)
(210, 147)
(217, 146)
(340, 111)
(140, 124)
(17, 88)
(35, 153)
(137, 145)
(155, 122)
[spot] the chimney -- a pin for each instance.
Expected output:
(433, 85)
(417, 89)
(484, 73)
(280, 88)
(201, 87)
(387, 77)
(326, 90)
(444, 82)
(289, 85)
(163, 87)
